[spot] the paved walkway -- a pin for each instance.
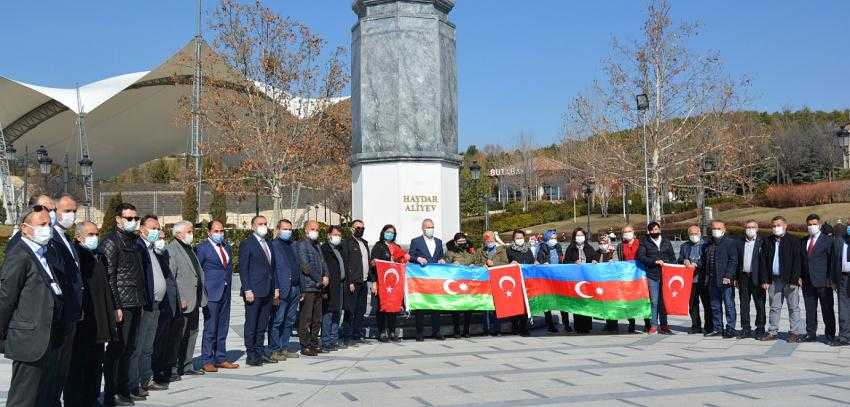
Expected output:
(609, 370)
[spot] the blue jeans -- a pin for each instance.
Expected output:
(722, 296)
(140, 364)
(330, 328)
(284, 319)
(656, 303)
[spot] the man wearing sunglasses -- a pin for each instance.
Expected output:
(42, 201)
(127, 283)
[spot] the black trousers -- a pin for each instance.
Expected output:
(116, 364)
(256, 324)
(844, 306)
(420, 322)
(519, 325)
(84, 376)
(813, 295)
(386, 321)
(699, 293)
(352, 321)
(32, 381)
(550, 322)
(582, 323)
(166, 345)
(188, 335)
(310, 320)
(748, 291)
(467, 319)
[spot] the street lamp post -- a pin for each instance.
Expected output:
(44, 165)
(588, 191)
(706, 166)
(86, 171)
(475, 175)
(843, 136)
(642, 101)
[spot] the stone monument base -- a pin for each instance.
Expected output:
(403, 193)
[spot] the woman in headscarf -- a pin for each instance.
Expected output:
(604, 254)
(580, 252)
(551, 252)
(386, 249)
(462, 253)
(519, 252)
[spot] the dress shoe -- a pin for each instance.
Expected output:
(308, 352)
(808, 338)
(466, 334)
(438, 336)
(552, 330)
(665, 330)
(341, 346)
(768, 337)
(137, 397)
(279, 356)
(395, 338)
(830, 338)
(383, 337)
(141, 392)
(154, 386)
(291, 355)
(174, 378)
(456, 335)
(121, 401)
(794, 338)
(420, 338)
(728, 334)
(568, 329)
(745, 333)
(632, 329)
(495, 333)
(194, 372)
(839, 341)
(758, 333)
(694, 330)
(208, 368)
(253, 362)
(319, 350)
(266, 359)
(227, 365)
(712, 333)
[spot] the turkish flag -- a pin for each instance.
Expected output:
(508, 290)
(677, 280)
(390, 285)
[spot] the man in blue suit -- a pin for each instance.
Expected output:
(719, 260)
(817, 280)
(288, 275)
(259, 289)
(427, 249)
(214, 257)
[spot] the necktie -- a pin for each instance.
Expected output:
(223, 255)
(811, 246)
(42, 251)
(266, 251)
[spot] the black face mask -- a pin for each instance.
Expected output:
(655, 235)
(358, 232)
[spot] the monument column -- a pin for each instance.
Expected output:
(404, 116)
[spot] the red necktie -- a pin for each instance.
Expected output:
(223, 255)
(811, 246)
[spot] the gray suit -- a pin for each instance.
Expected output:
(27, 328)
(190, 282)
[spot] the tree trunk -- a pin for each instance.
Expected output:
(277, 204)
(654, 189)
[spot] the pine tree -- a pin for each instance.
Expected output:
(218, 206)
(190, 203)
(110, 213)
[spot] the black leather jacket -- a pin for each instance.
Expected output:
(124, 269)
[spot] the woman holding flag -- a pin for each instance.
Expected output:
(520, 252)
(492, 255)
(579, 252)
(462, 253)
(386, 249)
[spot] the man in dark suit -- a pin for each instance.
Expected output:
(259, 289)
(841, 279)
(690, 254)
(817, 280)
(169, 326)
(32, 321)
(653, 252)
(214, 258)
(193, 295)
(288, 275)
(40, 200)
(357, 260)
(779, 274)
(720, 261)
(749, 281)
(427, 249)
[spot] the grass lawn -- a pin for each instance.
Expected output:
(597, 222)
(830, 213)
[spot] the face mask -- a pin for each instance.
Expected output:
(52, 215)
(491, 245)
(655, 235)
(131, 226)
(603, 247)
(41, 234)
(285, 234)
(628, 236)
(461, 243)
(580, 239)
(813, 229)
(67, 220)
(90, 243)
(552, 242)
(751, 233)
(335, 240)
(358, 232)
(778, 230)
(188, 238)
(519, 242)
(153, 235)
(612, 236)
(261, 231)
(313, 234)
(389, 236)
(717, 233)
(532, 242)
(218, 238)
(159, 246)
(429, 232)
(694, 239)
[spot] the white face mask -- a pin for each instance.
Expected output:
(778, 230)
(751, 232)
(313, 234)
(813, 229)
(717, 233)
(261, 231)
(429, 232)
(579, 239)
(90, 242)
(66, 220)
(694, 239)
(187, 238)
(519, 242)
(41, 234)
(553, 242)
(130, 226)
(335, 240)
(628, 236)
(159, 246)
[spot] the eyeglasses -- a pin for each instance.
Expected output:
(131, 218)
(39, 208)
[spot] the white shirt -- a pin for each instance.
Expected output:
(364, 257)
(41, 259)
(776, 258)
(158, 278)
(845, 265)
(657, 242)
(222, 254)
(432, 245)
(61, 233)
(749, 246)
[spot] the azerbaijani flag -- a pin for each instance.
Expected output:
(448, 287)
(615, 290)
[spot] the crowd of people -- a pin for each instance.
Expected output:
(78, 308)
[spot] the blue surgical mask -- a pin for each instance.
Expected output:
(52, 215)
(218, 238)
(153, 235)
(90, 242)
(285, 235)
(389, 236)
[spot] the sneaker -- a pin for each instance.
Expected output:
(651, 331)
(694, 330)
(768, 337)
(665, 330)
(279, 356)
(712, 333)
(291, 355)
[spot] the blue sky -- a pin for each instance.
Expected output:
(520, 62)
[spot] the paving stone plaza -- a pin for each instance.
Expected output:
(600, 370)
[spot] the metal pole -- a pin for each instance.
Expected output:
(257, 197)
(588, 216)
(645, 170)
(486, 213)
(196, 107)
(701, 203)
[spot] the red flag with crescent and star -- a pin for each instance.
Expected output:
(508, 290)
(390, 285)
(677, 280)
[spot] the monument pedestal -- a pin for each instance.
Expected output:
(404, 193)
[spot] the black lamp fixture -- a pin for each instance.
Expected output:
(642, 101)
(11, 153)
(475, 171)
(588, 187)
(45, 163)
(86, 166)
